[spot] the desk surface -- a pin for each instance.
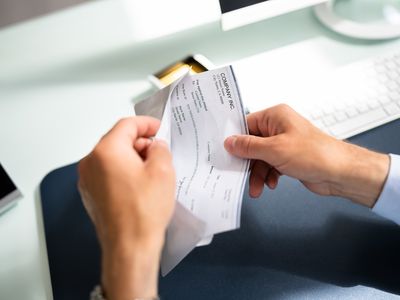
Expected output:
(66, 78)
(291, 244)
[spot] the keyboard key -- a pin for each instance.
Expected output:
(340, 116)
(362, 107)
(390, 65)
(339, 105)
(370, 72)
(394, 95)
(373, 103)
(317, 113)
(328, 109)
(339, 129)
(381, 88)
(383, 78)
(392, 109)
(384, 99)
(380, 68)
(328, 120)
(372, 93)
(392, 85)
(386, 61)
(318, 123)
(351, 112)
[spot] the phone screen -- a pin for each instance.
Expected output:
(6, 184)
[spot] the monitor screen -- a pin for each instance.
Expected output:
(236, 13)
(6, 184)
(230, 5)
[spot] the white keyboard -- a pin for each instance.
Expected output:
(355, 98)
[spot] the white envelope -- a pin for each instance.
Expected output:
(197, 113)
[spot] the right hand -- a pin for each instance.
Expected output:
(283, 142)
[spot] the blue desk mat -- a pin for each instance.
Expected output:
(292, 244)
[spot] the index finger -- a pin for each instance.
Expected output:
(270, 121)
(132, 128)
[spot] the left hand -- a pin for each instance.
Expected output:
(128, 188)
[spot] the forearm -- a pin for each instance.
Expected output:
(131, 270)
(361, 176)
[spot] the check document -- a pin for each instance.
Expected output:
(198, 112)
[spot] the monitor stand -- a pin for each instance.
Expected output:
(388, 28)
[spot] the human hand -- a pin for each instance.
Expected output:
(128, 188)
(283, 142)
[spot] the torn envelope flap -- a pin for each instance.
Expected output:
(155, 105)
(205, 241)
(158, 106)
(183, 234)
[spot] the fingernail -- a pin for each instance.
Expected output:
(230, 142)
(161, 143)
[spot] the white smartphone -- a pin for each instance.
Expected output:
(9, 192)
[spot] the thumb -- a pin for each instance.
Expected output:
(249, 146)
(159, 158)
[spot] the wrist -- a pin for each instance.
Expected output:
(361, 175)
(130, 268)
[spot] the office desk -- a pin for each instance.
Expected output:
(292, 244)
(66, 78)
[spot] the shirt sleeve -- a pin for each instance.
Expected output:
(388, 203)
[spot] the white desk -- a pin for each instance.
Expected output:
(66, 78)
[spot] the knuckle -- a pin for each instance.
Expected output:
(163, 172)
(284, 108)
(123, 121)
(165, 169)
(98, 152)
(82, 171)
(280, 143)
(245, 145)
(101, 154)
(82, 166)
(166, 153)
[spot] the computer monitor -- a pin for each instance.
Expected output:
(8, 191)
(236, 13)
